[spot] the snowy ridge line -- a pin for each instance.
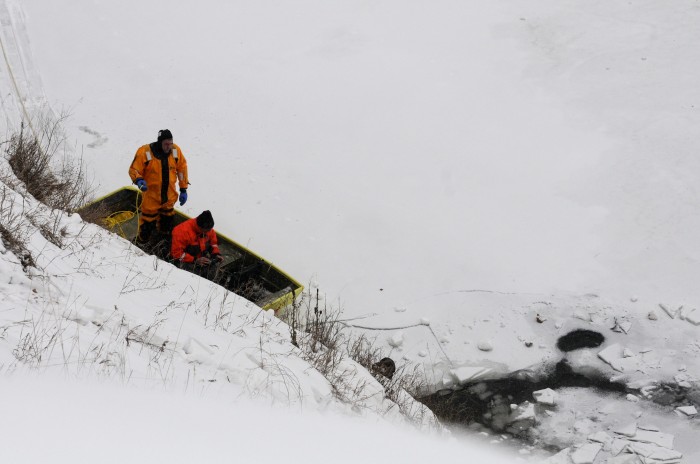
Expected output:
(5, 13)
(384, 328)
(8, 21)
(477, 290)
(419, 324)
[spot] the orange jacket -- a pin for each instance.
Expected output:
(149, 167)
(189, 242)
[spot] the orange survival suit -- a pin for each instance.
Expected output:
(161, 171)
(190, 241)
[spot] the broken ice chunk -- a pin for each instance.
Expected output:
(546, 396)
(693, 317)
(601, 437)
(621, 326)
(618, 445)
(656, 438)
(671, 313)
(628, 430)
(654, 453)
(683, 380)
(612, 355)
(624, 459)
(687, 410)
(525, 411)
(586, 454)
(650, 427)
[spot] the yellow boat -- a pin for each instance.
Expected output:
(242, 271)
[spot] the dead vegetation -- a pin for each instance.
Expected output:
(327, 344)
(38, 164)
(48, 173)
(13, 229)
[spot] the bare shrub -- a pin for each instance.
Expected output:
(325, 341)
(402, 386)
(316, 331)
(51, 227)
(49, 174)
(37, 340)
(54, 232)
(16, 245)
(13, 231)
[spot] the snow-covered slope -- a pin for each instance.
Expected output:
(83, 305)
(446, 172)
(94, 305)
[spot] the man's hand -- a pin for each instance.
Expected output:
(141, 184)
(218, 258)
(183, 196)
(202, 261)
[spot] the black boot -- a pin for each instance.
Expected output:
(145, 233)
(164, 237)
(166, 225)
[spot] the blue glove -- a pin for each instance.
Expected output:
(183, 196)
(141, 184)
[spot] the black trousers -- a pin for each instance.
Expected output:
(208, 272)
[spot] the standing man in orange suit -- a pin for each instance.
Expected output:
(157, 170)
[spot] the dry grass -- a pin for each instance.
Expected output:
(326, 342)
(13, 230)
(48, 173)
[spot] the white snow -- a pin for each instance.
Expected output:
(465, 165)
(485, 345)
(561, 457)
(395, 340)
(86, 422)
(693, 317)
(467, 373)
(672, 313)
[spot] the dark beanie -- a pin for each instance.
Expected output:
(205, 220)
(164, 134)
